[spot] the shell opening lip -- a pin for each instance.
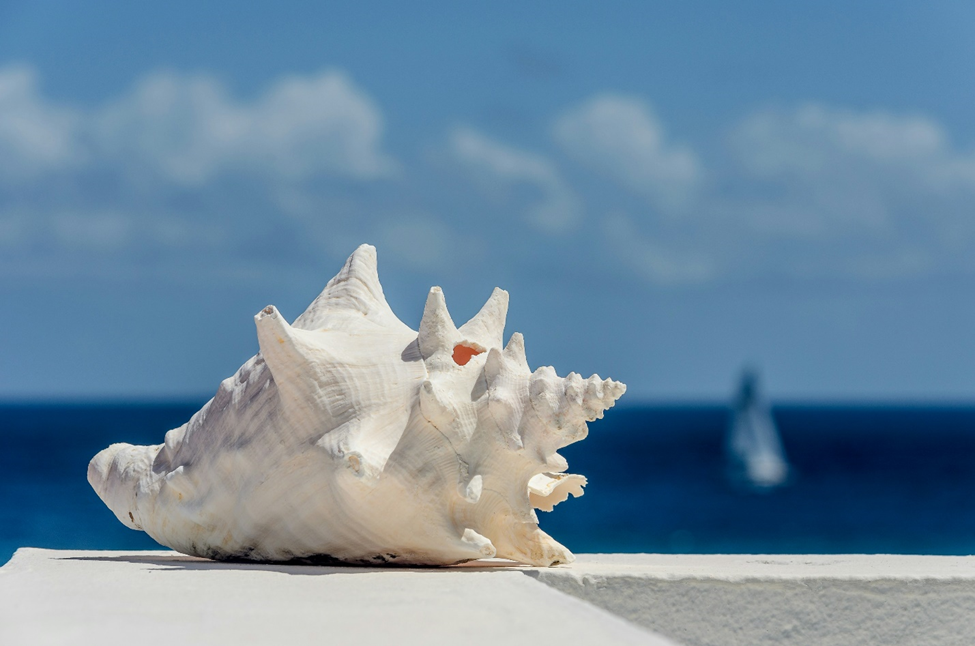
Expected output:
(463, 353)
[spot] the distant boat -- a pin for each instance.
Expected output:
(754, 449)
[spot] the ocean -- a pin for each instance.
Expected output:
(866, 479)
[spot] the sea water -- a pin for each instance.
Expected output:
(866, 479)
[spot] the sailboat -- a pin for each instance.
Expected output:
(755, 454)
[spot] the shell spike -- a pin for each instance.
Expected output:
(529, 544)
(487, 326)
(493, 366)
(515, 351)
(437, 330)
(277, 342)
(479, 545)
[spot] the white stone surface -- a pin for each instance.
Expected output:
(810, 600)
(107, 598)
(149, 598)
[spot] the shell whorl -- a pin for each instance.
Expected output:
(350, 436)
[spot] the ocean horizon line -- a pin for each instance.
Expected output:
(920, 402)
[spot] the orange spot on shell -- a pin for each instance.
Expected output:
(463, 354)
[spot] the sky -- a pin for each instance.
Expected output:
(669, 191)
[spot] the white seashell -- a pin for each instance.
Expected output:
(351, 437)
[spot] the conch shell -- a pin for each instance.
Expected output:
(351, 437)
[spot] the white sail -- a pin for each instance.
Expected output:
(753, 444)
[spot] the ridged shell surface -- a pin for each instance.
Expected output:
(352, 437)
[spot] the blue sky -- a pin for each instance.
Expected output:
(668, 192)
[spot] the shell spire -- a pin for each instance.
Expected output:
(355, 288)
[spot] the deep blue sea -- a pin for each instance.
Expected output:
(869, 479)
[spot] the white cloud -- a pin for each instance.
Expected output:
(498, 169)
(35, 136)
(190, 129)
(868, 195)
(623, 139)
(839, 171)
(855, 157)
(145, 172)
(807, 193)
(178, 167)
(813, 138)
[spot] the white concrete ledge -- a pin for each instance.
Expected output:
(149, 598)
(106, 598)
(810, 600)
